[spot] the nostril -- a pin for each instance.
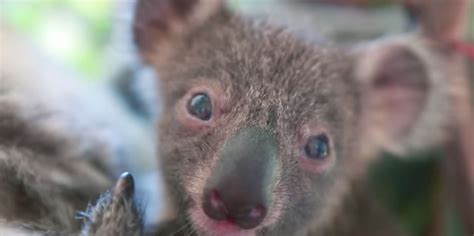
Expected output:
(257, 213)
(237, 210)
(252, 218)
(213, 205)
(216, 202)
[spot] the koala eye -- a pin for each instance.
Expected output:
(317, 147)
(200, 106)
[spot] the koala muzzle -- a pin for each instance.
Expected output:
(239, 189)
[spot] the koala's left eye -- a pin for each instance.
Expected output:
(317, 147)
(200, 106)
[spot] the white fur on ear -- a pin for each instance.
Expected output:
(429, 127)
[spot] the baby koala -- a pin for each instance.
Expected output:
(56, 154)
(45, 181)
(263, 133)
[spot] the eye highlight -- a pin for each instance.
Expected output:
(200, 106)
(317, 147)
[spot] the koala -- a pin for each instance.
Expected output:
(46, 181)
(265, 133)
(53, 161)
(261, 133)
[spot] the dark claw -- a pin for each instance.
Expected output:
(115, 213)
(125, 186)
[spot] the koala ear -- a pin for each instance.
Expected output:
(405, 95)
(159, 25)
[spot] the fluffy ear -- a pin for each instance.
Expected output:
(405, 96)
(159, 25)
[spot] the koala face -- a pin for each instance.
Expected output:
(261, 132)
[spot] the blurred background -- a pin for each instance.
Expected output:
(91, 38)
(75, 32)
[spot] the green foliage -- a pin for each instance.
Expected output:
(73, 31)
(412, 188)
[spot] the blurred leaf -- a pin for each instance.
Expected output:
(75, 32)
(455, 228)
(405, 185)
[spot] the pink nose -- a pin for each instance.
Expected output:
(245, 214)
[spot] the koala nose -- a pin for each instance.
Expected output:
(239, 189)
(246, 213)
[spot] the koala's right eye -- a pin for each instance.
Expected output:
(200, 106)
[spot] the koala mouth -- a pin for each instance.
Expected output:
(208, 226)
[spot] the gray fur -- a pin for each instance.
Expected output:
(115, 213)
(44, 184)
(268, 79)
(53, 162)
